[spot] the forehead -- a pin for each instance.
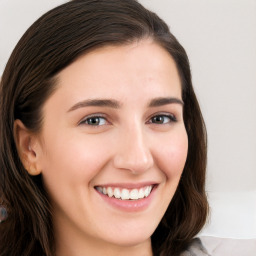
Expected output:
(113, 71)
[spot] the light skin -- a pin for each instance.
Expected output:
(115, 120)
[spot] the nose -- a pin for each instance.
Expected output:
(133, 154)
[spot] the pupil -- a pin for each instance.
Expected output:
(93, 121)
(158, 119)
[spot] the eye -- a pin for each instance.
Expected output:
(94, 121)
(162, 119)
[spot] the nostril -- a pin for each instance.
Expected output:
(133, 153)
(135, 164)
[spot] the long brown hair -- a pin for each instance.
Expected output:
(52, 43)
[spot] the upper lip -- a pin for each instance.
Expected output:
(128, 185)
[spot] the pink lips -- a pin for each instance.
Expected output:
(129, 205)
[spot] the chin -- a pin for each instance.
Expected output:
(130, 237)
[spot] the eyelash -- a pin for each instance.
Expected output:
(171, 118)
(85, 121)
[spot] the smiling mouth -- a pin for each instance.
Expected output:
(124, 193)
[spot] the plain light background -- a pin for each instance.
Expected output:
(220, 39)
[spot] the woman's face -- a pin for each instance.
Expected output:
(113, 144)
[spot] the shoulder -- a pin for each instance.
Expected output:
(196, 248)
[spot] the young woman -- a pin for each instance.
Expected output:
(103, 145)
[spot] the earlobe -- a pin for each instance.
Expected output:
(26, 146)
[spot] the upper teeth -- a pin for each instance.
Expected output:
(126, 194)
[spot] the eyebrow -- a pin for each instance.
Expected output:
(96, 103)
(157, 102)
(164, 101)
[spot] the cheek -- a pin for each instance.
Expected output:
(69, 169)
(173, 155)
(76, 160)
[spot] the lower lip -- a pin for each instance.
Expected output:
(129, 205)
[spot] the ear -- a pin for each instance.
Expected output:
(28, 148)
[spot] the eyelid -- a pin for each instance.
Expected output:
(172, 117)
(164, 114)
(99, 115)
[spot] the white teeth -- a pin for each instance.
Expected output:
(147, 191)
(117, 193)
(134, 194)
(125, 194)
(110, 192)
(141, 193)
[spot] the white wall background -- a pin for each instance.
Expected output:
(220, 39)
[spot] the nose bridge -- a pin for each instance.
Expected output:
(133, 152)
